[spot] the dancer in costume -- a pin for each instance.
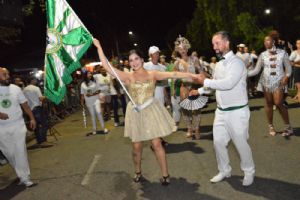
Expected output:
(276, 72)
(90, 96)
(146, 118)
(191, 105)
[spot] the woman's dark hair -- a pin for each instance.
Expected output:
(137, 52)
(86, 80)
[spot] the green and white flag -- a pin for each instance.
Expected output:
(67, 41)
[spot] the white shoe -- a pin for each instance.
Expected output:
(116, 124)
(248, 180)
(105, 130)
(219, 177)
(94, 132)
(27, 183)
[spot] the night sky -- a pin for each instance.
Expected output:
(150, 21)
(155, 22)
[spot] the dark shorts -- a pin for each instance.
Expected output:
(297, 74)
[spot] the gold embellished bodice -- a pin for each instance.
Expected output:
(141, 91)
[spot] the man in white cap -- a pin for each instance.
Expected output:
(154, 64)
(243, 55)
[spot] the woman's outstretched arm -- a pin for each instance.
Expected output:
(124, 76)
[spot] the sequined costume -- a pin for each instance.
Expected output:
(191, 116)
(153, 121)
(276, 65)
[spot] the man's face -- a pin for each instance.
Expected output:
(162, 60)
(242, 49)
(155, 57)
(4, 77)
(220, 45)
(18, 81)
(126, 63)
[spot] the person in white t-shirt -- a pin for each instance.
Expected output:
(104, 82)
(13, 129)
(89, 91)
(155, 65)
(35, 98)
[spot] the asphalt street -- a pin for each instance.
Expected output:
(100, 166)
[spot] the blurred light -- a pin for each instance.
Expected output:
(130, 33)
(121, 61)
(268, 11)
(38, 74)
(92, 64)
(135, 44)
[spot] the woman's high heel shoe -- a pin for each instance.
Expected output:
(165, 181)
(272, 130)
(138, 177)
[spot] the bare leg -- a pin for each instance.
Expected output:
(298, 91)
(196, 123)
(160, 155)
(137, 149)
(269, 106)
(278, 101)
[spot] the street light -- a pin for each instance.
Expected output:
(130, 33)
(135, 44)
(267, 11)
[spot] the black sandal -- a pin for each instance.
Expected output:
(138, 177)
(165, 181)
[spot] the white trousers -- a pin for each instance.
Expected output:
(233, 125)
(13, 146)
(95, 110)
(176, 108)
(159, 94)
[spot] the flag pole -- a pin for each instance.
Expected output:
(124, 88)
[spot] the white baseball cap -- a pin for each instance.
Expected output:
(153, 49)
(241, 45)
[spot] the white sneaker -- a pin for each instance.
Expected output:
(3, 162)
(94, 132)
(116, 124)
(219, 177)
(248, 180)
(106, 131)
(27, 183)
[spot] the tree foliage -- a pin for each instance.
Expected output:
(245, 20)
(11, 35)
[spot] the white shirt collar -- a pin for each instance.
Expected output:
(228, 55)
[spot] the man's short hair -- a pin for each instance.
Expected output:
(224, 34)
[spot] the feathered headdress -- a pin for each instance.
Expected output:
(182, 42)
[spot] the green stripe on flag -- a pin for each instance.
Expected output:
(50, 6)
(53, 90)
(62, 23)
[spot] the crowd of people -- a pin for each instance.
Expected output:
(146, 90)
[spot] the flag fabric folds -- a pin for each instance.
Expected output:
(67, 41)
